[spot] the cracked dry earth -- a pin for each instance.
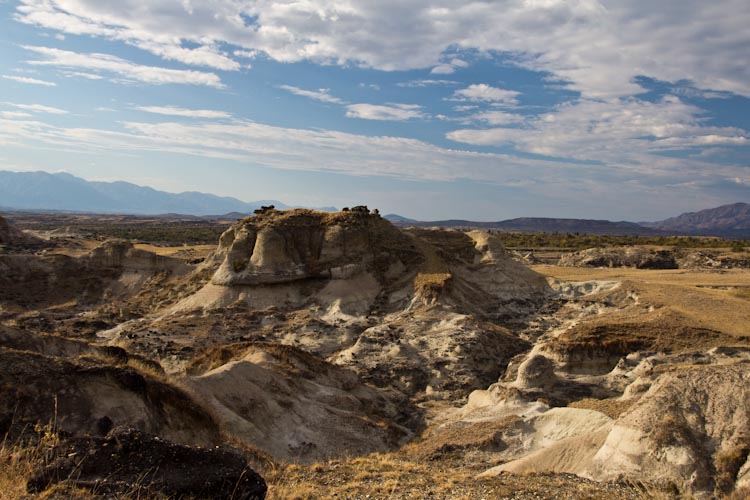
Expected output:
(347, 358)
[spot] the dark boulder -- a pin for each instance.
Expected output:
(128, 460)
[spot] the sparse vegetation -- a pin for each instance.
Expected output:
(577, 241)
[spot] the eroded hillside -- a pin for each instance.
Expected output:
(339, 347)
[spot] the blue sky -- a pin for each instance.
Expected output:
(431, 109)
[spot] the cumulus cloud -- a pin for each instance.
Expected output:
(390, 112)
(495, 118)
(188, 113)
(122, 68)
(620, 131)
(482, 92)
(597, 46)
(31, 81)
(322, 95)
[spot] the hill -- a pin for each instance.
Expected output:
(727, 220)
(537, 225)
(65, 192)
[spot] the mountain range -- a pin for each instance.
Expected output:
(44, 191)
(729, 221)
(65, 192)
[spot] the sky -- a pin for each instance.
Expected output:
(483, 110)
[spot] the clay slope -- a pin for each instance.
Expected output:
(297, 407)
(678, 421)
(690, 428)
(86, 390)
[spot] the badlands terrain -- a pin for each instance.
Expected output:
(321, 355)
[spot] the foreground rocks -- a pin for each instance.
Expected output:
(88, 391)
(128, 461)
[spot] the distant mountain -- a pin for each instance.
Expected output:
(65, 192)
(727, 220)
(398, 218)
(538, 225)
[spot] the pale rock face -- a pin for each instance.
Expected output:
(300, 245)
(681, 427)
(537, 372)
(326, 414)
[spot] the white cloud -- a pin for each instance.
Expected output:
(10, 115)
(427, 83)
(31, 81)
(443, 69)
(449, 67)
(598, 46)
(322, 95)
(629, 131)
(485, 93)
(371, 86)
(246, 54)
(188, 113)
(390, 112)
(125, 69)
(496, 118)
(205, 55)
(277, 147)
(80, 74)
(37, 108)
(647, 181)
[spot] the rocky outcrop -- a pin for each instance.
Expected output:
(277, 247)
(690, 428)
(537, 372)
(129, 462)
(703, 259)
(115, 269)
(636, 257)
(13, 238)
(420, 310)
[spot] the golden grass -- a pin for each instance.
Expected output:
(394, 476)
(423, 280)
(613, 408)
(180, 251)
(693, 296)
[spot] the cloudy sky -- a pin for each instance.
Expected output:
(487, 110)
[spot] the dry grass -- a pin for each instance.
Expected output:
(17, 464)
(181, 251)
(728, 463)
(445, 442)
(396, 477)
(697, 298)
(613, 408)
